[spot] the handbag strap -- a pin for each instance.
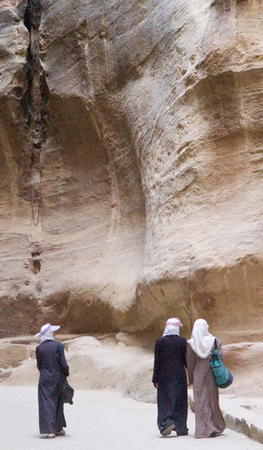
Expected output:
(215, 345)
(58, 352)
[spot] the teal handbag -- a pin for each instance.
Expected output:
(223, 377)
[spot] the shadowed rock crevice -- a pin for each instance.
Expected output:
(34, 106)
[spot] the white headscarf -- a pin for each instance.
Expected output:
(46, 332)
(172, 327)
(201, 340)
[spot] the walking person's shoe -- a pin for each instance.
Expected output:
(61, 432)
(184, 433)
(214, 434)
(47, 436)
(168, 430)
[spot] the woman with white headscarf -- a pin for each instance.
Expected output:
(209, 421)
(169, 377)
(52, 365)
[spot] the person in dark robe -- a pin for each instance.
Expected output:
(209, 421)
(169, 377)
(52, 365)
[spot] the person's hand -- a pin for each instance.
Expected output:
(155, 385)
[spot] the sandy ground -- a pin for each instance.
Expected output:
(100, 420)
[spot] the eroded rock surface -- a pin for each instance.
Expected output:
(131, 164)
(122, 362)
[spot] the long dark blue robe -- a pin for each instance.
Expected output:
(170, 375)
(52, 364)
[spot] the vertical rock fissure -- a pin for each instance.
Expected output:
(34, 108)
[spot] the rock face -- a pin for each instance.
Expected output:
(116, 361)
(122, 362)
(131, 164)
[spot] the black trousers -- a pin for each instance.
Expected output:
(51, 414)
(172, 405)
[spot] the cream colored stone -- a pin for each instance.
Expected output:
(128, 368)
(12, 352)
(131, 165)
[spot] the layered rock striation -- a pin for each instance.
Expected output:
(131, 164)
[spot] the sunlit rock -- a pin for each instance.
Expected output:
(131, 164)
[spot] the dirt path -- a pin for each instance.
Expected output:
(99, 420)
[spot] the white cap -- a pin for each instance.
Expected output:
(47, 327)
(174, 321)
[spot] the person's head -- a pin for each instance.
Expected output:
(47, 331)
(201, 340)
(172, 326)
(201, 327)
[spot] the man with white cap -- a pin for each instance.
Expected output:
(52, 365)
(169, 377)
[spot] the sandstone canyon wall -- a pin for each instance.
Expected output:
(131, 164)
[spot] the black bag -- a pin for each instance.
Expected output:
(66, 392)
(223, 377)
